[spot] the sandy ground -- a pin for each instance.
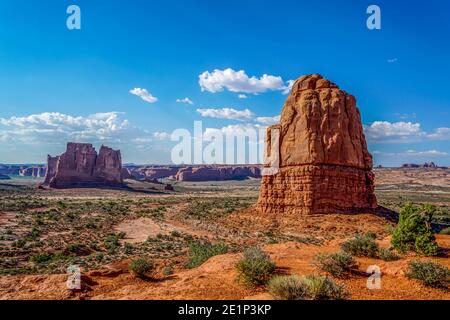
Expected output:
(215, 279)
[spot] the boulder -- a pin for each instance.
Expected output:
(324, 165)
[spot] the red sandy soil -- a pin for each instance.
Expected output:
(215, 279)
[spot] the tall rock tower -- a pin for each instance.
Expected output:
(323, 165)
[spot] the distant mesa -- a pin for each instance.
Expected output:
(192, 173)
(324, 164)
(4, 177)
(429, 165)
(35, 172)
(81, 166)
(218, 173)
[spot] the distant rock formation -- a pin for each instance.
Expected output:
(35, 172)
(10, 169)
(152, 173)
(81, 166)
(218, 173)
(4, 177)
(324, 164)
(191, 173)
(430, 165)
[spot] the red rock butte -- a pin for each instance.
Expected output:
(81, 166)
(324, 164)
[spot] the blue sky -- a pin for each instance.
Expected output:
(57, 84)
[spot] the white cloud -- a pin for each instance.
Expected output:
(440, 134)
(392, 60)
(268, 120)
(242, 96)
(185, 100)
(226, 113)
(161, 135)
(144, 95)
(290, 84)
(429, 153)
(402, 132)
(383, 131)
(239, 82)
(57, 128)
(412, 153)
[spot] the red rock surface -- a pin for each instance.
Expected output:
(324, 166)
(80, 166)
(218, 173)
(35, 172)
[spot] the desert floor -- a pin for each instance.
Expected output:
(42, 232)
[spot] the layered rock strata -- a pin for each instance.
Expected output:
(322, 161)
(81, 166)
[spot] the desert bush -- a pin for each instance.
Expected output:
(362, 246)
(141, 267)
(255, 267)
(41, 258)
(339, 265)
(388, 255)
(199, 252)
(313, 287)
(287, 287)
(167, 271)
(413, 231)
(429, 273)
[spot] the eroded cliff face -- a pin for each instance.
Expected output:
(80, 166)
(218, 173)
(324, 164)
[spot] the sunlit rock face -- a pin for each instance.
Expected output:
(324, 164)
(81, 166)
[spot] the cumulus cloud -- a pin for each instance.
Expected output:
(429, 153)
(402, 132)
(161, 135)
(226, 113)
(185, 100)
(239, 82)
(289, 86)
(57, 128)
(384, 131)
(144, 95)
(268, 120)
(242, 96)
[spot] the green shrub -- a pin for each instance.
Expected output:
(388, 255)
(288, 287)
(362, 246)
(313, 287)
(339, 265)
(199, 252)
(41, 258)
(167, 271)
(429, 273)
(255, 267)
(413, 231)
(445, 231)
(141, 267)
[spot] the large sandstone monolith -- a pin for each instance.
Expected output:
(80, 166)
(324, 164)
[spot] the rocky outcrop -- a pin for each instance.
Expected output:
(429, 165)
(152, 173)
(80, 166)
(34, 172)
(218, 173)
(324, 165)
(10, 169)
